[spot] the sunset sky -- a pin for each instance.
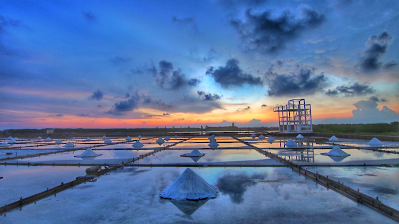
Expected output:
(148, 63)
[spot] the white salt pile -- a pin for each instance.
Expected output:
(290, 143)
(271, 139)
(189, 186)
(16, 138)
(213, 143)
(299, 136)
(39, 138)
(336, 151)
(128, 138)
(253, 135)
(333, 139)
(11, 141)
(160, 141)
(88, 153)
(9, 137)
(211, 137)
(262, 137)
(104, 137)
(167, 138)
(138, 145)
(139, 137)
(69, 145)
(375, 142)
(175, 136)
(4, 145)
(108, 141)
(88, 139)
(48, 139)
(194, 153)
(58, 141)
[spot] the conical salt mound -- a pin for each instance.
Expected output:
(138, 145)
(11, 141)
(88, 153)
(290, 143)
(16, 138)
(48, 139)
(128, 138)
(167, 138)
(336, 151)
(194, 153)
(261, 137)
(139, 137)
(175, 136)
(107, 141)
(9, 138)
(4, 145)
(160, 141)
(88, 139)
(69, 145)
(213, 143)
(39, 138)
(211, 137)
(271, 139)
(299, 136)
(58, 141)
(375, 142)
(189, 186)
(253, 136)
(333, 139)
(104, 137)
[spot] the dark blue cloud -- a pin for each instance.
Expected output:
(56, 115)
(89, 16)
(83, 115)
(377, 99)
(231, 75)
(355, 89)
(268, 35)
(97, 95)
(168, 79)
(124, 106)
(302, 82)
(377, 46)
(208, 96)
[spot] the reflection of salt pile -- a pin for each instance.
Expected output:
(213, 143)
(88, 139)
(128, 138)
(69, 145)
(271, 139)
(189, 186)
(375, 142)
(290, 143)
(11, 141)
(160, 141)
(4, 145)
(138, 145)
(336, 151)
(253, 135)
(58, 141)
(333, 139)
(48, 139)
(262, 137)
(167, 138)
(188, 207)
(107, 141)
(299, 136)
(194, 153)
(88, 153)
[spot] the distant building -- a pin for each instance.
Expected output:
(49, 131)
(295, 117)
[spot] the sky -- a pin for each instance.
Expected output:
(131, 64)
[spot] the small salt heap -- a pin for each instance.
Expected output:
(4, 145)
(139, 137)
(375, 142)
(48, 139)
(167, 138)
(299, 136)
(9, 137)
(271, 139)
(88, 139)
(104, 137)
(189, 186)
(213, 143)
(11, 141)
(69, 145)
(212, 137)
(253, 135)
(88, 153)
(39, 138)
(107, 141)
(333, 139)
(160, 141)
(128, 138)
(336, 151)
(175, 136)
(58, 141)
(290, 143)
(262, 137)
(138, 145)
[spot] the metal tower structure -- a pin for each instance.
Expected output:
(295, 117)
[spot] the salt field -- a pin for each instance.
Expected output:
(266, 191)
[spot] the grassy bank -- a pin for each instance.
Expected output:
(361, 129)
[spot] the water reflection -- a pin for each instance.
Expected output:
(188, 207)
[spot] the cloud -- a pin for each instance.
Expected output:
(355, 89)
(56, 115)
(302, 82)
(235, 185)
(264, 105)
(89, 16)
(118, 60)
(165, 114)
(6, 22)
(267, 34)
(366, 112)
(254, 122)
(188, 22)
(168, 79)
(97, 95)
(231, 75)
(239, 3)
(377, 46)
(208, 96)
(244, 109)
(83, 115)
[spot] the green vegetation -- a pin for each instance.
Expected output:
(361, 129)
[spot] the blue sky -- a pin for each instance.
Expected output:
(149, 60)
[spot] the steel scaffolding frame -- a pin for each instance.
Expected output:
(294, 117)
